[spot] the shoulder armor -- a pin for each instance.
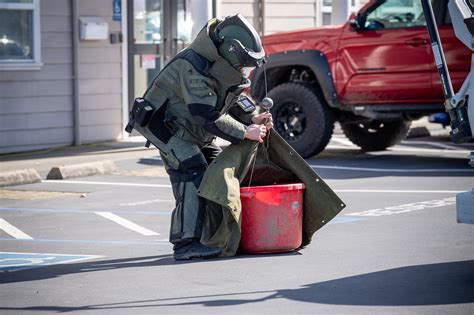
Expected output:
(201, 64)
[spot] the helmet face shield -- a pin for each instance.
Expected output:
(239, 42)
(246, 57)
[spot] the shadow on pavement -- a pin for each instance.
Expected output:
(58, 270)
(349, 165)
(431, 284)
(54, 271)
(150, 161)
(354, 164)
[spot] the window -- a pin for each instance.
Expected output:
(395, 14)
(19, 35)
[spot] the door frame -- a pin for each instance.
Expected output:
(165, 48)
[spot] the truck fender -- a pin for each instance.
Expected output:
(313, 59)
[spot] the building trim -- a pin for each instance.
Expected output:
(75, 72)
(125, 52)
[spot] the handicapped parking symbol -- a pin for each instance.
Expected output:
(18, 262)
(12, 261)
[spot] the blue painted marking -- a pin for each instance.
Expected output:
(117, 10)
(20, 261)
(85, 211)
(338, 220)
(161, 243)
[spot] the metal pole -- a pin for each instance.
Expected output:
(460, 129)
(437, 50)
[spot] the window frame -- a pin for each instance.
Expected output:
(30, 64)
(374, 7)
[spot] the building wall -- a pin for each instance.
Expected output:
(248, 8)
(283, 15)
(100, 66)
(280, 15)
(36, 108)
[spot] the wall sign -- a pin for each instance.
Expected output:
(148, 61)
(117, 9)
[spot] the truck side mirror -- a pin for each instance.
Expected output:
(356, 22)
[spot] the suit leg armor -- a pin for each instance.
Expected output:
(186, 172)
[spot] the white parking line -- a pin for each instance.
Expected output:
(104, 183)
(434, 144)
(314, 166)
(406, 208)
(145, 202)
(127, 224)
(392, 170)
(408, 149)
(343, 141)
(13, 231)
(399, 191)
(404, 146)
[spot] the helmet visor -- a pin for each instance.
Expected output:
(243, 41)
(247, 57)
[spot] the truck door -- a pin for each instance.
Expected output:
(386, 58)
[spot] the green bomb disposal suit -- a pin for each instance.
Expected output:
(196, 93)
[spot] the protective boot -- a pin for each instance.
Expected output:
(194, 249)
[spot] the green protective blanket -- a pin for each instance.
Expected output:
(276, 163)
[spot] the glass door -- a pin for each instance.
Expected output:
(146, 35)
(158, 30)
(184, 25)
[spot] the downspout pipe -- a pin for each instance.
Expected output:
(75, 72)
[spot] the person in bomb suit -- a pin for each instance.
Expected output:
(198, 94)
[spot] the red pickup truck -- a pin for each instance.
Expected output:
(374, 74)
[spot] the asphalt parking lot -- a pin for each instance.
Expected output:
(99, 244)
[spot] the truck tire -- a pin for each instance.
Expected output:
(302, 118)
(376, 135)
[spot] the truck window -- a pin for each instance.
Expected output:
(392, 14)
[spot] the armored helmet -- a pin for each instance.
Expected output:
(238, 42)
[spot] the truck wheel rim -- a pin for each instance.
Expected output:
(371, 127)
(290, 121)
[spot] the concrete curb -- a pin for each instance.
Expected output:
(416, 132)
(21, 177)
(81, 170)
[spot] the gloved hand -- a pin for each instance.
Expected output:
(263, 119)
(256, 132)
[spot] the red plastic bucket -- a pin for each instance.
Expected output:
(272, 218)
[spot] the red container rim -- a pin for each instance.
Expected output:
(274, 188)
